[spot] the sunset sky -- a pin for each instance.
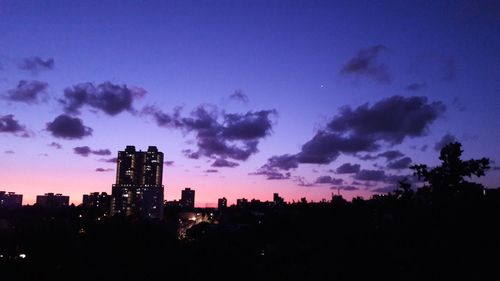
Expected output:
(245, 98)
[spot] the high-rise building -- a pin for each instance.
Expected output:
(222, 203)
(95, 200)
(138, 190)
(51, 200)
(10, 200)
(187, 198)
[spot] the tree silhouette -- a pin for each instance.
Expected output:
(448, 179)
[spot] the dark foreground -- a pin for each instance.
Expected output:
(384, 238)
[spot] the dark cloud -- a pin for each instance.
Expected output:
(168, 163)
(67, 127)
(101, 152)
(446, 139)
(163, 119)
(385, 189)
(414, 87)
(301, 181)
(235, 136)
(391, 154)
(392, 119)
(55, 145)
(347, 188)
(271, 173)
(370, 175)
(9, 152)
(388, 155)
(110, 160)
(224, 163)
(400, 164)
(424, 147)
(365, 64)
(36, 64)
(211, 171)
(330, 180)
(325, 147)
(239, 96)
(110, 98)
(82, 150)
(103, 170)
(348, 168)
(10, 125)
(283, 162)
(29, 92)
(86, 151)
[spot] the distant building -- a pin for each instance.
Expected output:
(277, 200)
(187, 198)
(51, 200)
(10, 200)
(138, 190)
(96, 200)
(241, 202)
(222, 203)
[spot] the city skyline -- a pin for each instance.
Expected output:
(244, 99)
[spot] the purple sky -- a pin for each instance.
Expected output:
(246, 98)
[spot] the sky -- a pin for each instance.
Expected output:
(245, 98)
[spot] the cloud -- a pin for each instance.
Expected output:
(348, 168)
(330, 180)
(363, 129)
(271, 173)
(236, 137)
(388, 155)
(220, 135)
(391, 154)
(36, 64)
(239, 96)
(10, 125)
(168, 163)
(86, 151)
(163, 119)
(446, 139)
(224, 163)
(325, 147)
(109, 160)
(9, 152)
(27, 91)
(370, 175)
(211, 171)
(67, 127)
(110, 98)
(283, 162)
(392, 119)
(385, 189)
(103, 170)
(365, 64)
(55, 145)
(414, 87)
(301, 181)
(346, 187)
(400, 164)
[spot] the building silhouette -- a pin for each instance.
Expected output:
(277, 200)
(222, 203)
(138, 191)
(95, 200)
(187, 198)
(10, 200)
(51, 200)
